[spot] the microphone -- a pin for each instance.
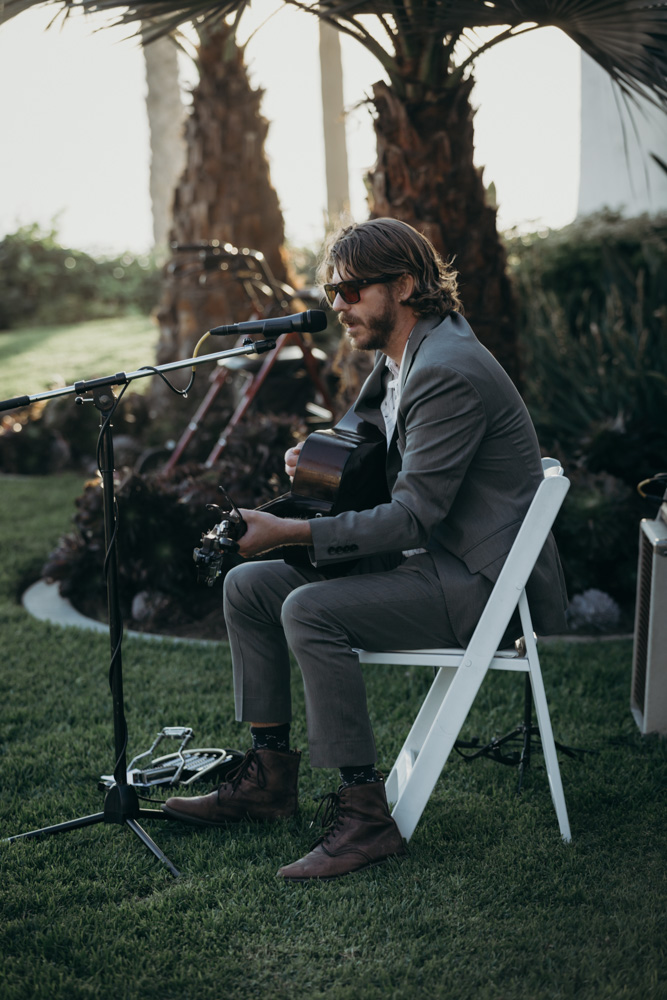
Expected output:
(311, 321)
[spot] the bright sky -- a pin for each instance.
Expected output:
(74, 134)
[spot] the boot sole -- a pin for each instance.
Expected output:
(195, 821)
(332, 878)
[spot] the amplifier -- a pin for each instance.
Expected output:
(648, 698)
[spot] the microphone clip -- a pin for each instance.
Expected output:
(261, 346)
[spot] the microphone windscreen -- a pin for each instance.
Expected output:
(315, 320)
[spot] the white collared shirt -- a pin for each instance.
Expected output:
(392, 396)
(392, 393)
(389, 410)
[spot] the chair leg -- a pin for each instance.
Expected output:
(436, 746)
(524, 760)
(547, 739)
(410, 750)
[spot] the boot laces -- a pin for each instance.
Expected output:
(250, 761)
(331, 807)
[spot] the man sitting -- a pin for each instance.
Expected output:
(462, 467)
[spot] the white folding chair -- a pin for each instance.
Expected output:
(461, 671)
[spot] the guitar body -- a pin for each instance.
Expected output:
(338, 469)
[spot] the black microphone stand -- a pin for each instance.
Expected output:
(524, 732)
(121, 803)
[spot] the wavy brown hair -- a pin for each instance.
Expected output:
(388, 246)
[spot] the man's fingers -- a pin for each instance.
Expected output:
(291, 459)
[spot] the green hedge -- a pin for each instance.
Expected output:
(593, 338)
(43, 282)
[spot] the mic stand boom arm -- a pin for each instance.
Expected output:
(122, 378)
(121, 804)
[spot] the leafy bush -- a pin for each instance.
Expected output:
(593, 337)
(161, 519)
(48, 437)
(42, 282)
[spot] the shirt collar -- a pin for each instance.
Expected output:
(393, 367)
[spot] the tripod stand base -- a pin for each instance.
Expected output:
(127, 815)
(523, 732)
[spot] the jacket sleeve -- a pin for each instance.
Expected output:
(441, 422)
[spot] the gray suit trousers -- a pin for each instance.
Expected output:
(272, 608)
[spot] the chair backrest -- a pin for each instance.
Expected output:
(520, 562)
(551, 467)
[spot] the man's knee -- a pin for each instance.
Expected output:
(237, 585)
(247, 591)
(303, 610)
(258, 589)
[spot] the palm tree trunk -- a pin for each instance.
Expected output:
(166, 116)
(425, 175)
(224, 194)
(333, 121)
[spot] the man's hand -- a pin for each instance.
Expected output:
(291, 458)
(265, 531)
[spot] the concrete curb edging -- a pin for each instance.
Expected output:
(43, 601)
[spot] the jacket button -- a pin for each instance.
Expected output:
(331, 550)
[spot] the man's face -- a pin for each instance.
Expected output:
(370, 322)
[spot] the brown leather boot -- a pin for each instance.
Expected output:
(263, 786)
(360, 833)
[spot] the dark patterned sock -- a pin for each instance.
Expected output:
(271, 738)
(361, 774)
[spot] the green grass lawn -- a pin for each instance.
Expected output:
(33, 360)
(488, 905)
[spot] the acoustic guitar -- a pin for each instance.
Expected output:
(339, 469)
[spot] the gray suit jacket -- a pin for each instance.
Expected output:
(462, 467)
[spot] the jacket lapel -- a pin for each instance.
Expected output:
(372, 392)
(371, 395)
(421, 330)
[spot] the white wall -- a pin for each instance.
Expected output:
(632, 182)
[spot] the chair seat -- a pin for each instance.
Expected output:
(504, 659)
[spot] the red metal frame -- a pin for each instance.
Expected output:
(249, 267)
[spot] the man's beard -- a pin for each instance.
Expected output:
(376, 330)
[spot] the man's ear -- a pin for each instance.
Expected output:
(405, 287)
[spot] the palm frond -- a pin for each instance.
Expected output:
(10, 8)
(163, 15)
(628, 38)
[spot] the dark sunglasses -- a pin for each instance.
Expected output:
(349, 290)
